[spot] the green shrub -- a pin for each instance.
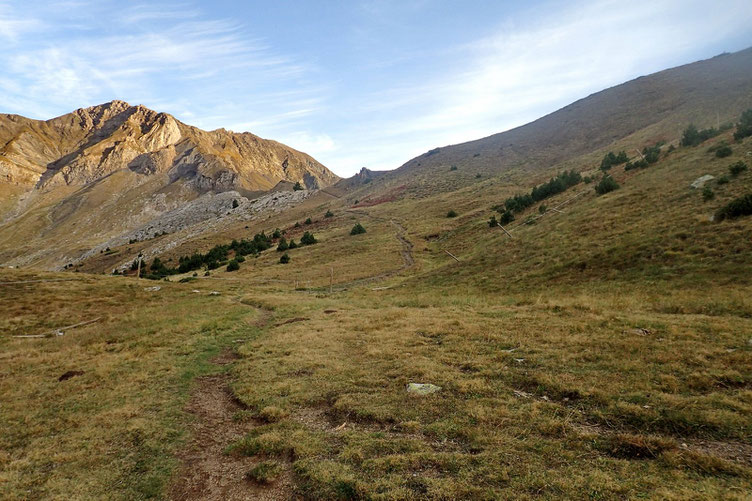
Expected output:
(493, 223)
(329, 214)
(308, 221)
(542, 209)
(282, 245)
(637, 164)
(506, 217)
(451, 213)
(707, 194)
(692, 136)
(235, 204)
(611, 159)
(277, 233)
(723, 151)
(738, 207)
(453, 167)
(737, 168)
(651, 154)
(606, 185)
(723, 180)
(284, 258)
(587, 179)
(744, 127)
(240, 259)
(357, 229)
(233, 265)
(307, 239)
(292, 245)
(297, 186)
(558, 184)
(478, 176)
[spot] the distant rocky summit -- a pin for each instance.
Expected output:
(91, 143)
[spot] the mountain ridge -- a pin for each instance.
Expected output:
(89, 143)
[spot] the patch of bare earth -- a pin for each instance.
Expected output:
(207, 472)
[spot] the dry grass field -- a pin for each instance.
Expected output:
(603, 352)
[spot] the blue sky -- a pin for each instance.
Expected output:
(353, 83)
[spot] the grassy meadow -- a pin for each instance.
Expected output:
(603, 352)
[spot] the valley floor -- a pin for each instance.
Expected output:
(268, 392)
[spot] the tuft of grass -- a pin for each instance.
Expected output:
(265, 472)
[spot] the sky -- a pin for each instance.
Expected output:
(354, 83)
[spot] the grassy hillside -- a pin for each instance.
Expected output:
(601, 352)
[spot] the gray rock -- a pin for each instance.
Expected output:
(422, 388)
(700, 181)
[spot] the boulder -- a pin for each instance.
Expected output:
(700, 181)
(422, 388)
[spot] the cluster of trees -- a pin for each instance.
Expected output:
(612, 159)
(519, 203)
(693, 136)
(650, 155)
(306, 239)
(214, 258)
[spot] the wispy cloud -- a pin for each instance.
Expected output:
(209, 63)
(537, 63)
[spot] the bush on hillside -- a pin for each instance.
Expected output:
(308, 221)
(744, 127)
(722, 180)
(297, 224)
(506, 217)
(737, 168)
(282, 245)
(554, 186)
(357, 229)
(329, 214)
(233, 266)
(612, 159)
(277, 233)
(284, 258)
(542, 209)
(651, 154)
(692, 136)
(451, 213)
(723, 151)
(738, 207)
(297, 186)
(606, 185)
(493, 223)
(453, 167)
(637, 164)
(307, 239)
(707, 194)
(292, 245)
